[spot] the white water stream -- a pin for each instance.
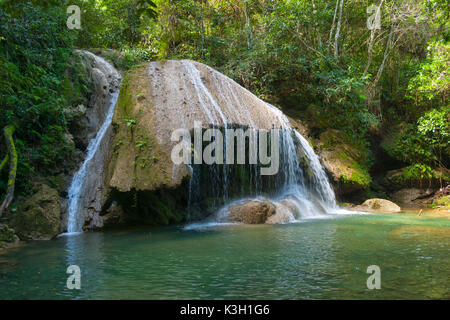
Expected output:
(84, 192)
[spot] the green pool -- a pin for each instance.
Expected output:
(312, 259)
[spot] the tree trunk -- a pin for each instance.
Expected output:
(248, 26)
(8, 133)
(370, 51)
(386, 54)
(338, 30)
(371, 40)
(333, 24)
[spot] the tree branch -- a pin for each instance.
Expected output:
(4, 162)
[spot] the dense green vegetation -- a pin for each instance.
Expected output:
(317, 60)
(35, 51)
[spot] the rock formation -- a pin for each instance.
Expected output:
(378, 205)
(251, 212)
(38, 218)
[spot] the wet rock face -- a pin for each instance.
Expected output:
(160, 97)
(106, 80)
(164, 96)
(38, 218)
(378, 205)
(344, 162)
(251, 212)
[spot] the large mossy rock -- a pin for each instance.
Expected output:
(8, 237)
(138, 161)
(251, 212)
(442, 202)
(38, 218)
(345, 161)
(157, 99)
(378, 205)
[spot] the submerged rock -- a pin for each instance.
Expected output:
(378, 205)
(251, 212)
(420, 232)
(38, 218)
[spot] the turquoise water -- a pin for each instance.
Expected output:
(313, 259)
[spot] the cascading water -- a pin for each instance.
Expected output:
(184, 99)
(86, 190)
(319, 178)
(188, 92)
(76, 188)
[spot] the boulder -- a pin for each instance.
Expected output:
(8, 237)
(38, 218)
(410, 195)
(283, 214)
(378, 205)
(251, 212)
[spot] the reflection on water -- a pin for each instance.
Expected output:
(85, 251)
(314, 259)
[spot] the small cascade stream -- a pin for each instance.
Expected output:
(87, 188)
(76, 188)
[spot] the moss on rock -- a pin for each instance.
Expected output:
(443, 202)
(38, 218)
(137, 160)
(346, 161)
(139, 173)
(7, 237)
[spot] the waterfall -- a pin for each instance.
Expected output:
(186, 91)
(87, 188)
(320, 181)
